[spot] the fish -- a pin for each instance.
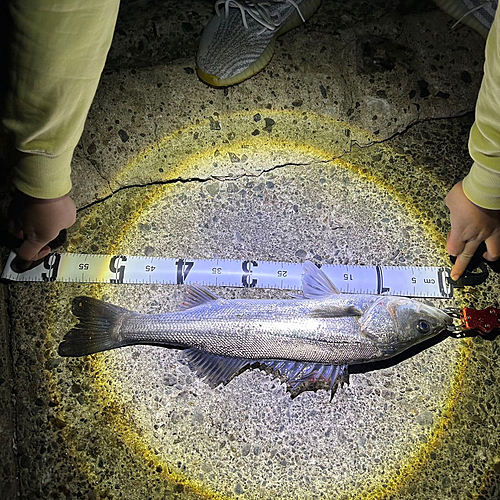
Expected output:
(308, 341)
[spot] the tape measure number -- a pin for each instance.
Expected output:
(412, 281)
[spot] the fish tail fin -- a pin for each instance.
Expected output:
(98, 329)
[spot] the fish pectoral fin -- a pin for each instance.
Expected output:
(332, 311)
(214, 369)
(315, 283)
(195, 295)
(300, 376)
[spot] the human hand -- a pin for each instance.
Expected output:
(470, 226)
(37, 222)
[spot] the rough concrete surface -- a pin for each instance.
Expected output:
(340, 151)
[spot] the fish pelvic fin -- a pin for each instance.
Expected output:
(196, 295)
(98, 329)
(214, 369)
(315, 283)
(298, 376)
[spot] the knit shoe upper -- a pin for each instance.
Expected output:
(477, 14)
(239, 40)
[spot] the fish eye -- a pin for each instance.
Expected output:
(423, 326)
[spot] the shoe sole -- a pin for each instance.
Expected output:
(309, 8)
(457, 9)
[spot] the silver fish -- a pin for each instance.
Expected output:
(303, 340)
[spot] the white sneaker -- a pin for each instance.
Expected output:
(477, 14)
(239, 40)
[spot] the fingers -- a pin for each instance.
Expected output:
(492, 248)
(33, 250)
(463, 259)
(38, 222)
(19, 234)
(455, 243)
(15, 229)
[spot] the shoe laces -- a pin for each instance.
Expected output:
(469, 12)
(258, 10)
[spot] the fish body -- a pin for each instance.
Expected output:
(313, 337)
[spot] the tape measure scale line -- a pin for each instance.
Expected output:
(411, 281)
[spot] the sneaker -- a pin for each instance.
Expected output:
(476, 14)
(239, 40)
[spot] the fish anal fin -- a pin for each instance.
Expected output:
(196, 295)
(214, 369)
(315, 283)
(300, 376)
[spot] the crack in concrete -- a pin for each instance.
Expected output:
(221, 178)
(408, 127)
(227, 178)
(155, 131)
(98, 170)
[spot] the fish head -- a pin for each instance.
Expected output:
(397, 323)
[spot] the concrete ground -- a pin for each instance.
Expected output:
(341, 151)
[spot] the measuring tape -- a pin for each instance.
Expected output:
(89, 268)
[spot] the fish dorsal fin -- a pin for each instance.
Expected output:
(195, 295)
(214, 369)
(315, 283)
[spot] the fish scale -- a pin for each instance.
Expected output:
(256, 329)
